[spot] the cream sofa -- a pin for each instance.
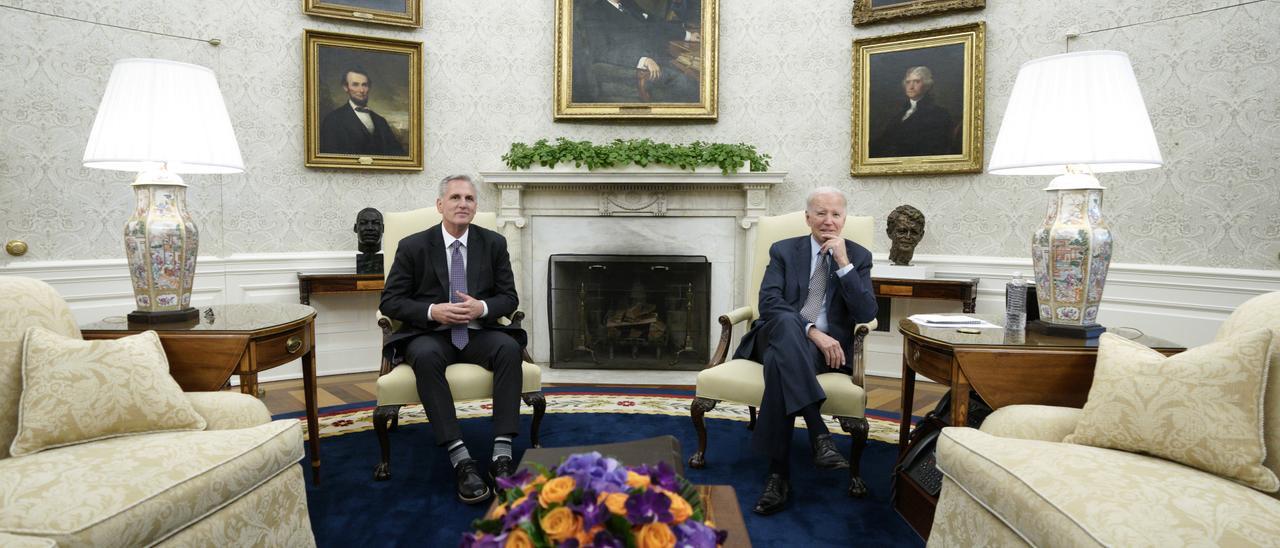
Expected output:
(237, 483)
(1014, 482)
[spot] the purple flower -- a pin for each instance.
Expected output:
(604, 540)
(519, 513)
(517, 479)
(593, 513)
(662, 475)
(488, 541)
(647, 507)
(594, 472)
(692, 534)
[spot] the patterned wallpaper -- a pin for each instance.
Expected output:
(1211, 83)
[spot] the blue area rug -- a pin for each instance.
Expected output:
(417, 507)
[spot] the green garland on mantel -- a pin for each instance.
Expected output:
(641, 152)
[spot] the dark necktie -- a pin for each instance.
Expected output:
(817, 291)
(457, 282)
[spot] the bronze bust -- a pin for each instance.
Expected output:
(905, 227)
(368, 229)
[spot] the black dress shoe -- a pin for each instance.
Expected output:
(776, 492)
(500, 468)
(471, 488)
(825, 454)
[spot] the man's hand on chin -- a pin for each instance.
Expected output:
(834, 244)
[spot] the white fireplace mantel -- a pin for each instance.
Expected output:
(633, 210)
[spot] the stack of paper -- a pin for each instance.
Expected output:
(951, 320)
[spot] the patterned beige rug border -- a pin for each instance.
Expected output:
(359, 420)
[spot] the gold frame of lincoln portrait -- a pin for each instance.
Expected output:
(962, 74)
(410, 16)
(377, 56)
(682, 54)
(865, 11)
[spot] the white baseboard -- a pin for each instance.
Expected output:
(1182, 304)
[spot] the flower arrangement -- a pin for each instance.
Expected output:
(591, 500)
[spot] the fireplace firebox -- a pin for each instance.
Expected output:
(629, 311)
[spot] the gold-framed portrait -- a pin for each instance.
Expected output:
(402, 13)
(918, 102)
(363, 101)
(871, 11)
(636, 59)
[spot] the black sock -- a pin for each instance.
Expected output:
(457, 452)
(813, 420)
(780, 467)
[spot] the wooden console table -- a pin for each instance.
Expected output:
(239, 339)
(965, 291)
(343, 282)
(1003, 368)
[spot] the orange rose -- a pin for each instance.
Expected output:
(680, 509)
(517, 538)
(637, 481)
(561, 524)
(555, 491)
(534, 484)
(585, 537)
(498, 512)
(655, 535)
(617, 503)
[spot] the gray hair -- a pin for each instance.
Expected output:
(444, 183)
(813, 194)
(926, 75)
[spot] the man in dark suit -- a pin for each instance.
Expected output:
(448, 286)
(354, 128)
(919, 127)
(625, 42)
(816, 288)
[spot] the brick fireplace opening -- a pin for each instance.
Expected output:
(629, 311)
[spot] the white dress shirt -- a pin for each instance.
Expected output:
(448, 261)
(363, 115)
(814, 247)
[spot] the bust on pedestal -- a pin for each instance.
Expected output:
(905, 227)
(368, 229)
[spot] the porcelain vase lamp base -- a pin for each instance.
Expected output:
(161, 242)
(1071, 253)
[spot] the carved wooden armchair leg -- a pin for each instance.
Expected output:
(539, 404)
(858, 428)
(699, 408)
(381, 416)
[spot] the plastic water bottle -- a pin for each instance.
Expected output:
(1015, 303)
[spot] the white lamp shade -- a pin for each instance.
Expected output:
(158, 112)
(1079, 109)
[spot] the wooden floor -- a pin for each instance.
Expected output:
(883, 393)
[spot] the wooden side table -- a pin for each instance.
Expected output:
(1003, 368)
(343, 282)
(965, 291)
(240, 339)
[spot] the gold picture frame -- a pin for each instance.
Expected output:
(362, 101)
(401, 13)
(918, 102)
(644, 59)
(871, 11)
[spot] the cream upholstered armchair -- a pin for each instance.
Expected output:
(1018, 482)
(742, 381)
(235, 482)
(397, 385)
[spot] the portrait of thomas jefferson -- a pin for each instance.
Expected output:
(363, 102)
(917, 102)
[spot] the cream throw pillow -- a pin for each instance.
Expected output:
(75, 391)
(1201, 408)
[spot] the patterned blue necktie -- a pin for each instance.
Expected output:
(457, 282)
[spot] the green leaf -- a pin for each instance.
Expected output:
(642, 152)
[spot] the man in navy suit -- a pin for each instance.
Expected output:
(354, 128)
(816, 288)
(448, 286)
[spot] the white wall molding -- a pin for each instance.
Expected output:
(1182, 304)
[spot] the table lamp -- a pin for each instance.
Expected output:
(161, 118)
(1074, 115)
